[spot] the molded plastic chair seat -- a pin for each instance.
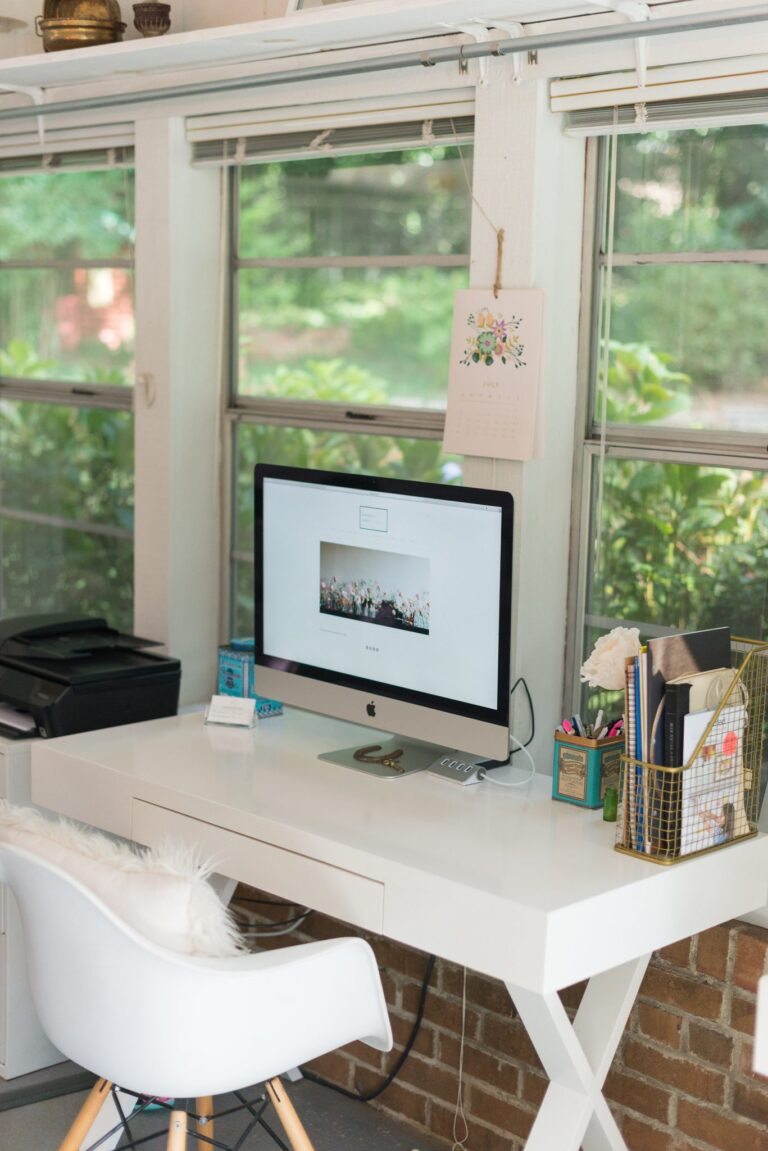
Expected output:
(165, 1024)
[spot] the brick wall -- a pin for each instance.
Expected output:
(681, 1080)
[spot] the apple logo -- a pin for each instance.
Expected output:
(371, 708)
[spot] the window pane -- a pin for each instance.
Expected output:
(391, 203)
(74, 324)
(67, 216)
(66, 511)
(335, 451)
(362, 336)
(700, 190)
(699, 346)
(683, 547)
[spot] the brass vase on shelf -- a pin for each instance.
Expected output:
(79, 23)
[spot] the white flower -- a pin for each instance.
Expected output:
(605, 666)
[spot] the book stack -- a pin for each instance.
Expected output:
(682, 788)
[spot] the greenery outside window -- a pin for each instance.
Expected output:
(345, 267)
(66, 363)
(675, 488)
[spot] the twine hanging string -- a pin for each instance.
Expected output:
(499, 257)
(500, 235)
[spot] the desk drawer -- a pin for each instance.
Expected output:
(306, 881)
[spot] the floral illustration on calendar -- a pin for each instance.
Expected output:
(495, 372)
(493, 339)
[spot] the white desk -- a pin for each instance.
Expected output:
(548, 900)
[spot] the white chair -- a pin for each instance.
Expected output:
(164, 1024)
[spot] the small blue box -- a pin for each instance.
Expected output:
(583, 768)
(236, 676)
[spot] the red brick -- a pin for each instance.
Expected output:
(429, 1078)
(443, 1122)
(751, 1101)
(678, 954)
(719, 1129)
(747, 1055)
(335, 1067)
(750, 957)
(485, 1066)
(397, 1099)
(663, 1026)
(404, 960)
(501, 1113)
(684, 1075)
(534, 1088)
(402, 1029)
(689, 994)
(743, 1013)
(410, 997)
(712, 952)
(571, 996)
(637, 1095)
(509, 1037)
(641, 1136)
(447, 1015)
(711, 1045)
(482, 992)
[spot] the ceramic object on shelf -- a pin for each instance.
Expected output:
(152, 19)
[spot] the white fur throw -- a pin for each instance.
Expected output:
(163, 894)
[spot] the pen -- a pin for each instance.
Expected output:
(567, 727)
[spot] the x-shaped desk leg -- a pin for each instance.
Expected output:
(577, 1058)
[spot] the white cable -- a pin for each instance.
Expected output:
(459, 1144)
(519, 782)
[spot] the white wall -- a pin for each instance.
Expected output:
(529, 179)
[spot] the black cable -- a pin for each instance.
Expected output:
(516, 684)
(367, 1096)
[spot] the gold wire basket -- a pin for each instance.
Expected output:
(671, 813)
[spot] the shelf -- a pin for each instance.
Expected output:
(311, 31)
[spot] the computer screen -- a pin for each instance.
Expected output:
(386, 602)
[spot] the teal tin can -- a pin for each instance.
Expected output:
(584, 768)
(237, 676)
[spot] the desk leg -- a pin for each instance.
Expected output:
(577, 1058)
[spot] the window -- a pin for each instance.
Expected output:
(344, 273)
(675, 508)
(66, 363)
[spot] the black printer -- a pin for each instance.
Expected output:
(74, 675)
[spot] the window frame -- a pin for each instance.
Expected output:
(621, 441)
(58, 392)
(369, 419)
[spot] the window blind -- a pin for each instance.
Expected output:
(713, 92)
(716, 112)
(106, 146)
(362, 137)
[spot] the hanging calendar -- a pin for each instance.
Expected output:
(495, 373)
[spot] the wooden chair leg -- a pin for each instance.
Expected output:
(177, 1131)
(205, 1123)
(286, 1113)
(86, 1116)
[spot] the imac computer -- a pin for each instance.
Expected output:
(387, 603)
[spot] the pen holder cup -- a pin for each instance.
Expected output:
(584, 768)
(668, 813)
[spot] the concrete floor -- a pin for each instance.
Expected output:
(333, 1123)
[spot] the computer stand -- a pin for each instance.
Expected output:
(386, 759)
